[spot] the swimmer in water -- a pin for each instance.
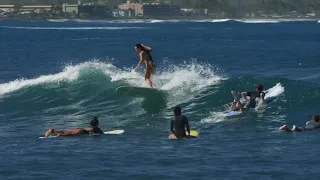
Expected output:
(145, 56)
(310, 125)
(179, 123)
(78, 131)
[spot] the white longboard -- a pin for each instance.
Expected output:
(237, 113)
(114, 132)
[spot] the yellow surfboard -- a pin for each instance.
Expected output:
(193, 133)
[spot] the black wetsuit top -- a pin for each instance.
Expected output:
(253, 95)
(179, 124)
(96, 130)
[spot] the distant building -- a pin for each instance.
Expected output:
(6, 8)
(122, 13)
(161, 10)
(113, 3)
(136, 7)
(70, 8)
(32, 8)
(153, 9)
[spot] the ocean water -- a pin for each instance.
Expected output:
(61, 74)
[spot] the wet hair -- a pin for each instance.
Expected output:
(260, 87)
(145, 50)
(94, 122)
(139, 46)
(315, 117)
(177, 110)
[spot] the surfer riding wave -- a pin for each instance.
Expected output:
(145, 56)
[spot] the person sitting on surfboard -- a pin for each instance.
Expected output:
(145, 56)
(78, 131)
(255, 97)
(310, 125)
(179, 123)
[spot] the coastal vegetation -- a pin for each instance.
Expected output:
(216, 8)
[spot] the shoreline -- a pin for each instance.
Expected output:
(145, 20)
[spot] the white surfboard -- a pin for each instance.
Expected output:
(138, 91)
(114, 132)
(237, 113)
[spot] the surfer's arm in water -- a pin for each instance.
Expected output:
(171, 126)
(140, 62)
(146, 47)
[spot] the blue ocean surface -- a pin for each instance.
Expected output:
(61, 74)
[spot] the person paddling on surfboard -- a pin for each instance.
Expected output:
(78, 131)
(179, 123)
(310, 125)
(255, 97)
(145, 56)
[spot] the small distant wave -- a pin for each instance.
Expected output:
(319, 21)
(258, 21)
(156, 21)
(71, 28)
(57, 20)
(220, 20)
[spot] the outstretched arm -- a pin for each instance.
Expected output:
(146, 47)
(140, 62)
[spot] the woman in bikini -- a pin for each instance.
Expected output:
(145, 56)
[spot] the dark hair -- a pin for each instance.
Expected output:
(94, 122)
(177, 110)
(316, 117)
(260, 87)
(139, 46)
(145, 50)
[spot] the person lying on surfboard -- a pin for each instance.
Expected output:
(145, 56)
(310, 125)
(179, 123)
(255, 97)
(78, 131)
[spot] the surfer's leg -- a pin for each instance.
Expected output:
(236, 104)
(295, 128)
(64, 133)
(190, 137)
(234, 94)
(148, 77)
(285, 128)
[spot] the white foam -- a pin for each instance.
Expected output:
(215, 117)
(258, 21)
(319, 21)
(157, 21)
(187, 78)
(70, 73)
(71, 28)
(58, 20)
(220, 20)
(275, 90)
